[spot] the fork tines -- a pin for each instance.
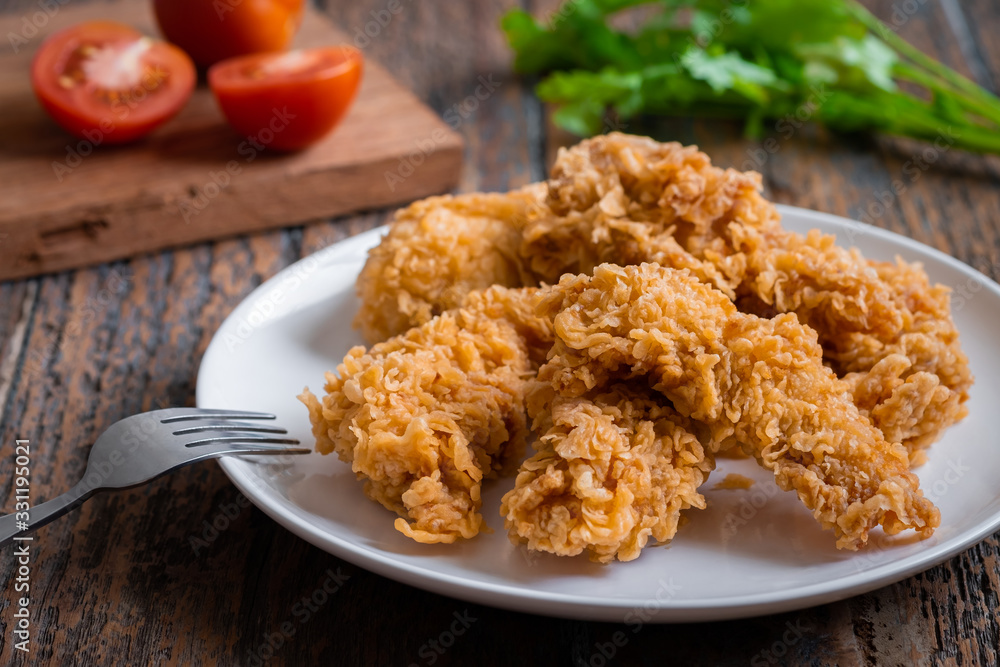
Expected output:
(229, 426)
(188, 414)
(220, 431)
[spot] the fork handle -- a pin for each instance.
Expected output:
(39, 515)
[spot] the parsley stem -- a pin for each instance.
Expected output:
(889, 36)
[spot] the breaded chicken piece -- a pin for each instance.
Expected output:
(628, 200)
(759, 382)
(612, 469)
(437, 251)
(914, 383)
(900, 353)
(518, 308)
(424, 417)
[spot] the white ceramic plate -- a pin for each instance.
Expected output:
(751, 552)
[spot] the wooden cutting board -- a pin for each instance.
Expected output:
(65, 203)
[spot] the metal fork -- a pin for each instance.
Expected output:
(142, 447)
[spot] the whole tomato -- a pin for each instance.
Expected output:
(213, 30)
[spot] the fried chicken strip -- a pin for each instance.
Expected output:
(425, 416)
(914, 383)
(626, 200)
(759, 382)
(612, 469)
(437, 251)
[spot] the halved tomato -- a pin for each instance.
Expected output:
(290, 100)
(213, 30)
(109, 83)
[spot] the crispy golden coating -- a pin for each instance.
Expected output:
(914, 382)
(612, 469)
(517, 307)
(627, 200)
(759, 382)
(647, 373)
(424, 417)
(437, 251)
(894, 342)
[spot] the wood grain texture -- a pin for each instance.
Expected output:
(194, 179)
(120, 583)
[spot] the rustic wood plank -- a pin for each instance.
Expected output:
(17, 301)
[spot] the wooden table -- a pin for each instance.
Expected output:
(120, 582)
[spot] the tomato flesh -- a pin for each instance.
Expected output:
(108, 83)
(213, 30)
(287, 101)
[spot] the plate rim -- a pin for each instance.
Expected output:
(581, 606)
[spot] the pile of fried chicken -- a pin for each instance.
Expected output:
(632, 318)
